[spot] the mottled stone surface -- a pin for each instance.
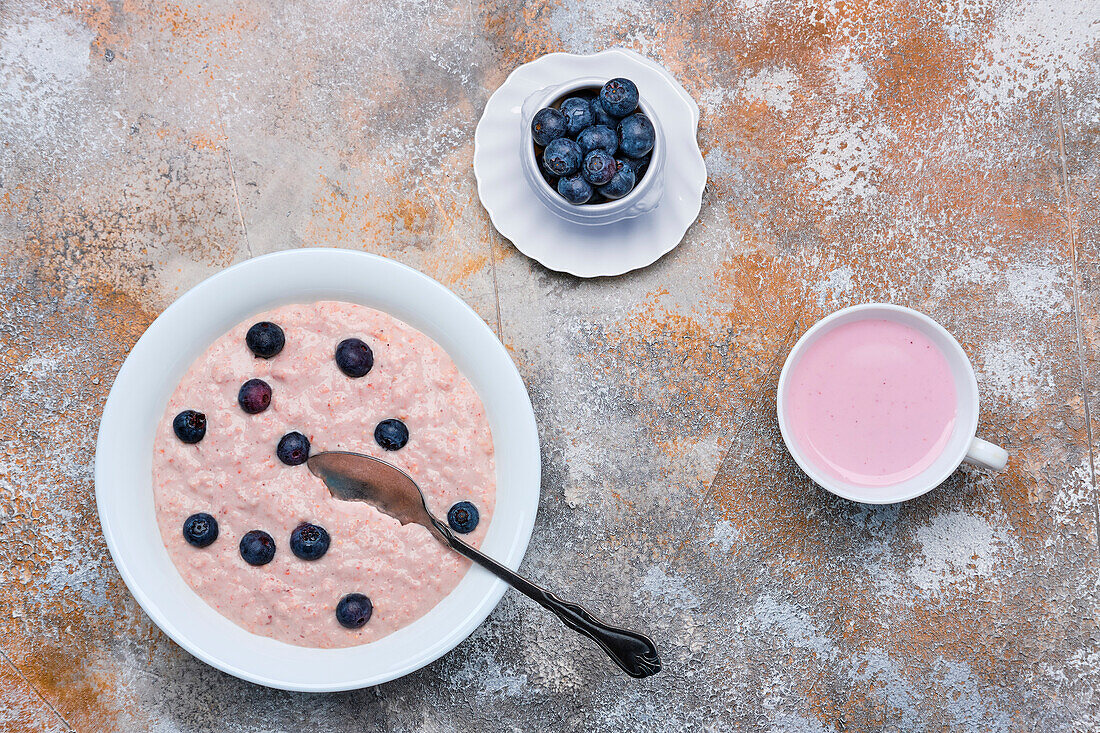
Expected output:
(942, 155)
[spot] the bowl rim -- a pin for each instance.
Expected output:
(477, 593)
(558, 94)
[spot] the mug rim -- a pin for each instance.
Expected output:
(931, 477)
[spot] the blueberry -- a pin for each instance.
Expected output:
(547, 174)
(636, 135)
(354, 357)
(309, 541)
(619, 97)
(354, 610)
(200, 529)
(575, 189)
(548, 124)
(391, 434)
(257, 547)
(598, 167)
(463, 517)
(598, 137)
(621, 183)
(562, 157)
(638, 164)
(293, 449)
(190, 426)
(265, 339)
(254, 396)
(600, 114)
(578, 114)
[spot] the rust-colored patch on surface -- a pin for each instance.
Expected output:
(102, 18)
(380, 216)
(24, 708)
(54, 634)
(85, 696)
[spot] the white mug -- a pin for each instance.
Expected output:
(962, 446)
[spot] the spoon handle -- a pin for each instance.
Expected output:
(634, 652)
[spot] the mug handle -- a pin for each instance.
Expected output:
(986, 455)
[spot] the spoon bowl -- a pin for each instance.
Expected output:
(359, 477)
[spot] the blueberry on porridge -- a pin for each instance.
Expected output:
(354, 357)
(293, 449)
(190, 426)
(254, 396)
(463, 517)
(354, 610)
(265, 339)
(200, 529)
(391, 434)
(257, 547)
(309, 541)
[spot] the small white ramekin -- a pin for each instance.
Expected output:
(527, 212)
(647, 191)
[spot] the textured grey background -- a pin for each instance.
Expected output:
(943, 155)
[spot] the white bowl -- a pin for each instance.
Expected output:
(123, 464)
(541, 232)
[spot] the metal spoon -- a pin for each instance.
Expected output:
(357, 477)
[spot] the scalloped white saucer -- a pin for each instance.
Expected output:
(585, 250)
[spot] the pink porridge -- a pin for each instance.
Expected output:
(233, 474)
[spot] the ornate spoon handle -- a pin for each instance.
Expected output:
(634, 652)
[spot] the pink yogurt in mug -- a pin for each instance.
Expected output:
(871, 402)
